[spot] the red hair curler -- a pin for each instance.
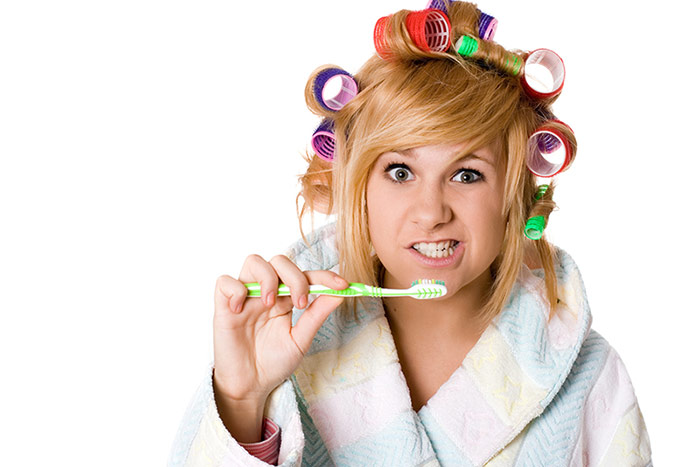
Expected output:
(549, 152)
(430, 31)
(543, 74)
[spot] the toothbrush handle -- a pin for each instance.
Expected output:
(283, 290)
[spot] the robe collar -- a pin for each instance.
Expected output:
(356, 394)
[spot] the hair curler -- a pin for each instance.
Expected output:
(541, 191)
(513, 64)
(534, 228)
(323, 140)
(441, 5)
(543, 74)
(430, 31)
(549, 152)
(466, 46)
(487, 26)
(327, 82)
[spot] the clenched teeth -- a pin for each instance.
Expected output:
(436, 250)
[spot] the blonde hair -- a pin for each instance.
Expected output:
(420, 98)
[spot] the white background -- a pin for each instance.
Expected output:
(146, 147)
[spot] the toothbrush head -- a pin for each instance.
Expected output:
(428, 288)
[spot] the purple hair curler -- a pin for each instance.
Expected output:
(543, 74)
(549, 152)
(487, 26)
(323, 140)
(325, 83)
(439, 5)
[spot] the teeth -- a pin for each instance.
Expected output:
(436, 250)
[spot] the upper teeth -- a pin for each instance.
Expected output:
(436, 250)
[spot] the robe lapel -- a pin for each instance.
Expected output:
(514, 370)
(358, 398)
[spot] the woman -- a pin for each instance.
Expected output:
(428, 178)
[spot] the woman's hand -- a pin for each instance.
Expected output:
(255, 346)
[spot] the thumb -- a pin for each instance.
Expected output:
(311, 320)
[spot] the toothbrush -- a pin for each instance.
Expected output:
(420, 289)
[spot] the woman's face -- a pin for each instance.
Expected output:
(433, 219)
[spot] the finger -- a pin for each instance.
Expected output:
(327, 278)
(256, 269)
(229, 294)
(311, 320)
(292, 277)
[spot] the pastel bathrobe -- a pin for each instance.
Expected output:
(531, 392)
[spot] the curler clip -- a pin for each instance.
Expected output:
(333, 88)
(543, 74)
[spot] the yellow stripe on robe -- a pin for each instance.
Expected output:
(506, 389)
(331, 371)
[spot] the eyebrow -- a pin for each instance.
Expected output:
(457, 159)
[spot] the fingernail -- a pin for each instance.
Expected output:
(340, 280)
(269, 299)
(302, 301)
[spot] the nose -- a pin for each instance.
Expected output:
(431, 208)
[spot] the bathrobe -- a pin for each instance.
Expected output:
(533, 391)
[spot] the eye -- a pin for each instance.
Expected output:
(467, 176)
(399, 173)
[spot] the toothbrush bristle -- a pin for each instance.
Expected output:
(425, 290)
(427, 281)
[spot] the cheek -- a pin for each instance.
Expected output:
(376, 211)
(490, 222)
(385, 216)
(497, 224)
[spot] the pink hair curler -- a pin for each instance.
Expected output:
(333, 88)
(323, 140)
(549, 152)
(430, 31)
(543, 74)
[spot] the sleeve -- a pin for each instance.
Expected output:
(613, 432)
(267, 450)
(203, 440)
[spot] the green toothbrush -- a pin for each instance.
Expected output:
(420, 289)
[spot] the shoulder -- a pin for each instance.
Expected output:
(598, 371)
(612, 429)
(316, 251)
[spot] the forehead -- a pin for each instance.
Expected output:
(449, 153)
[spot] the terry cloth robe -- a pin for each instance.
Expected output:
(531, 392)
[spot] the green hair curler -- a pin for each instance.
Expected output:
(534, 229)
